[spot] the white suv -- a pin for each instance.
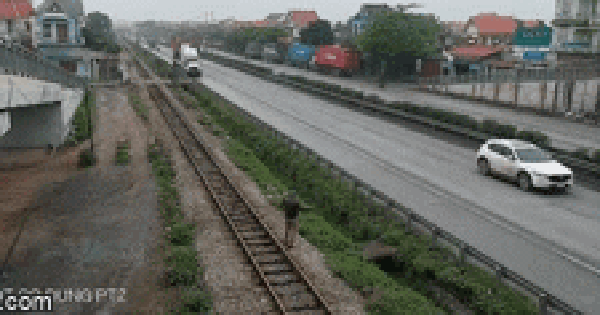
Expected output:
(524, 162)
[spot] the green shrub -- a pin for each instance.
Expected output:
(122, 157)
(581, 153)
(496, 129)
(596, 156)
(196, 301)
(536, 137)
(322, 234)
(80, 122)
(488, 126)
(86, 159)
(395, 299)
(506, 131)
(182, 234)
(183, 265)
(405, 106)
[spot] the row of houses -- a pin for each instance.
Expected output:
(293, 21)
(52, 31)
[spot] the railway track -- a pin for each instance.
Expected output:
(280, 275)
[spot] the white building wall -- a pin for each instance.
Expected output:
(32, 124)
(3, 27)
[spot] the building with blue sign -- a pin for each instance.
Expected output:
(531, 44)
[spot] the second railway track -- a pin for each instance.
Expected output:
(280, 275)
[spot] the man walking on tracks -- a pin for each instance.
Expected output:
(292, 209)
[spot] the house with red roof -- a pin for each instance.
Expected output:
(15, 21)
(301, 19)
(491, 29)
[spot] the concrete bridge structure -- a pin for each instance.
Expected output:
(38, 99)
(36, 113)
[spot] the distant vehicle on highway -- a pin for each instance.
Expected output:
(524, 162)
(253, 50)
(273, 52)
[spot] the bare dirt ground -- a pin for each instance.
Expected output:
(100, 228)
(22, 180)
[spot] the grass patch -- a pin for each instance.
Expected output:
(123, 156)
(140, 108)
(182, 262)
(81, 126)
(86, 159)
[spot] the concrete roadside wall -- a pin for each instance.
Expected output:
(531, 94)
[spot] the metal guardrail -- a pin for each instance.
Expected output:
(32, 65)
(547, 302)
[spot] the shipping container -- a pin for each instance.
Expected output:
(300, 54)
(341, 60)
(431, 68)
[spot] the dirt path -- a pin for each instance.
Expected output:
(101, 227)
(20, 188)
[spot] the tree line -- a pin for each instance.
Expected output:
(393, 40)
(98, 33)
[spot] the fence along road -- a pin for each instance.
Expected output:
(413, 168)
(576, 86)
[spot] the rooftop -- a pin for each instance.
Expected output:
(493, 24)
(15, 9)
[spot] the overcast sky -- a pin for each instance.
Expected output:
(333, 10)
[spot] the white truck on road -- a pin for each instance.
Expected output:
(187, 57)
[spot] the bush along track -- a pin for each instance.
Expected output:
(182, 265)
(82, 130)
(183, 269)
(342, 220)
(140, 108)
(585, 159)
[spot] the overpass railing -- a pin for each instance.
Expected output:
(14, 63)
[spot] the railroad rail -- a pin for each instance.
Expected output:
(278, 272)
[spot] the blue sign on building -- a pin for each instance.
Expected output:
(534, 55)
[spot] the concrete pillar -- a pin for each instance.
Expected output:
(54, 33)
(97, 68)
